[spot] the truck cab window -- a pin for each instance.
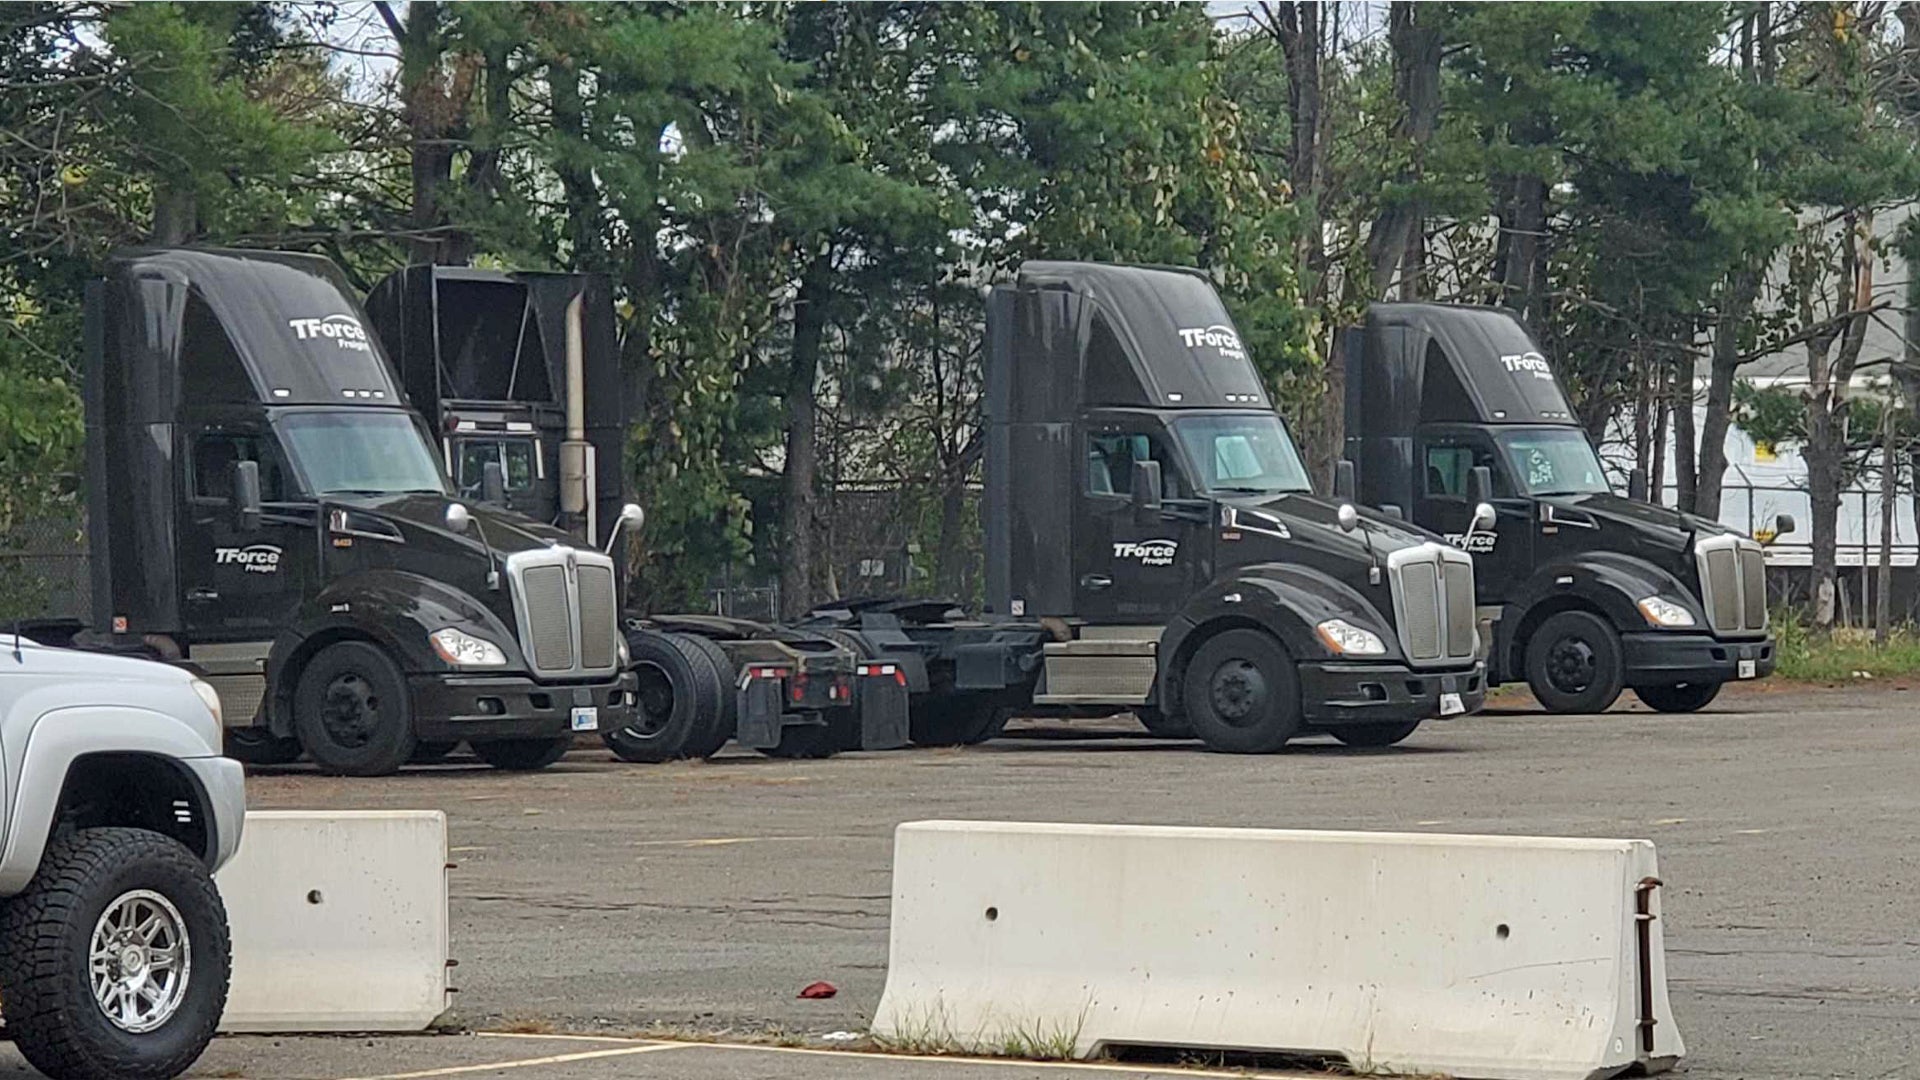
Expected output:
(515, 456)
(1449, 464)
(1554, 461)
(1110, 458)
(1249, 453)
(214, 454)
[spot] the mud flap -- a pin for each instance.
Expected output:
(880, 694)
(758, 724)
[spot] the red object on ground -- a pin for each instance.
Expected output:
(819, 990)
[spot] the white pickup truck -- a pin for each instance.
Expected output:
(115, 809)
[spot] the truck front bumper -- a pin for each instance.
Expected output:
(458, 706)
(1340, 694)
(1663, 658)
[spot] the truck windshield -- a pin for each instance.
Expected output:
(360, 452)
(1553, 461)
(1248, 453)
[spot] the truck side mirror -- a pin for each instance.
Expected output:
(1783, 524)
(458, 518)
(493, 484)
(631, 517)
(1146, 491)
(1484, 518)
(1479, 484)
(245, 499)
(1637, 485)
(1393, 510)
(1343, 482)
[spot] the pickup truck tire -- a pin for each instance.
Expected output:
(1375, 734)
(684, 709)
(956, 720)
(104, 898)
(1684, 697)
(1574, 663)
(351, 711)
(1243, 693)
(260, 747)
(522, 755)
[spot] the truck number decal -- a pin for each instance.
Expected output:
(1217, 336)
(1147, 552)
(343, 330)
(1531, 363)
(254, 558)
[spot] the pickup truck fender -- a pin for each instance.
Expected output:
(1606, 582)
(62, 736)
(1284, 599)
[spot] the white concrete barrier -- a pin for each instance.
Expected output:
(339, 921)
(1470, 956)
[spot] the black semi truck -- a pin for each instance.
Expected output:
(265, 508)
(518, 373)
(1153, 543)
(1586, 592)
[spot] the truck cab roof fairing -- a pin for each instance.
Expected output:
(291, 321)
(1461, 365)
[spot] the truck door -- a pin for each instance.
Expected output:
(1503, 559)
(241, 584)
(1127, 570)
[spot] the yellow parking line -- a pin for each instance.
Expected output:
(529, 1063)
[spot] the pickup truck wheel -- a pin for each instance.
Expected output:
(956, 720)
(1243, 694)
(682, 701)
(1160, 727)
(260, 747)
(1574, 664)
(522, 755)
(114, 961)
(1684, 697)
(1375, 734)
(351, 711)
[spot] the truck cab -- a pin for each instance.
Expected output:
(1585, 591)
(268, 509)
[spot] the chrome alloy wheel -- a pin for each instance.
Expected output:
(139, 961)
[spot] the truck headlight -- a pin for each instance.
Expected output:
(212, 699)
(464, 650)
(1661, 612)
(1346, 639)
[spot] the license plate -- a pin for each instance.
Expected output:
(586, 718)
(1748, 669)
(1451, 705)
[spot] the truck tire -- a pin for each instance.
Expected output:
(722, 680)
(956, 720)
(523, 755)
(683, 708)
(432, 753)
(1243, 693)
(351, 711)
(815, 741)
(1683, 697)
(1574, 664)
(858, 645)
(1374, 734)
(260, 747)
(1160, 727)
(102, 902)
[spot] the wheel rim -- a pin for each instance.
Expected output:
(350, 712)
(1238, 693)
(139, 961)
(1572, 665)
(655, 708)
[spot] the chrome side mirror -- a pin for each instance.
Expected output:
(1348, 517)
(458, 518)
(1483, 518)
(631, 517)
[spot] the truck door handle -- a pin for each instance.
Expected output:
(202, 595)
(1095, 581)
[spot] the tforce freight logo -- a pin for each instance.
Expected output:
(343, 330)
(1216, 336)
(1147, 552)
(1483, 543)
(1530, 363)
(254, 558)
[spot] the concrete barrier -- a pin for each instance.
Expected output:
(1505, 958)
(339, 921)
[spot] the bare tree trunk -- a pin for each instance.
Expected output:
(176, 214)
(1889, 490)
(576, 181)
(1416, 86)
(809, 329)
(1829, 374)
(1736, 307)
(1524, 228)
(1684, 445)
(1657, 472)
(432, 108)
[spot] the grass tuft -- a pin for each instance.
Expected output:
(1844, 654)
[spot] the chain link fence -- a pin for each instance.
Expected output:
(43, 570)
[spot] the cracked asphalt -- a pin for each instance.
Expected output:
(604, 898)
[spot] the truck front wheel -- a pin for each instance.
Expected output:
(1574, 664)
(956, 720)
(1243, 694)
(522, 755)
(114, 961)
(1685, 697)
(351, 711)
(1375, 734)
(683, 708)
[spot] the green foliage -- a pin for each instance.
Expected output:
(1806, 654)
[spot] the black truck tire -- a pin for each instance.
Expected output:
(956, 719)
(351, 711)
(260, 747)
(432, 753)
(94, 886)
(523, 755)
(683, 708)
(1574, 664)
(857, 644)
(1678, 698)
(1375, 734)
(814, 741)
(1160, 726)
(1243, 693)
(722, 680)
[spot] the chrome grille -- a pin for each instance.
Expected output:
(1433, 604)
(1733, 583)
(565, 602)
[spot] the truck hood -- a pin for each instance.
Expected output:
(1651, 523)
(1321, 516)
(424, 513)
